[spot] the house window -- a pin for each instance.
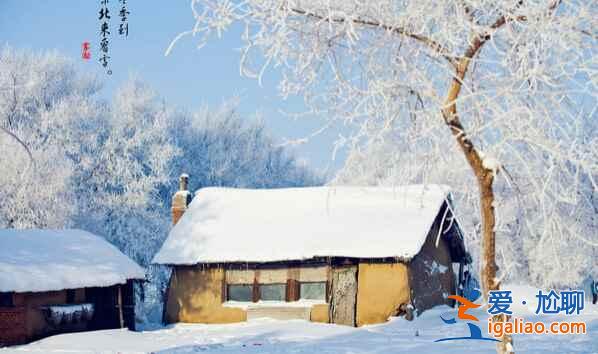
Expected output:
(312, 291)
(240, 292)
(6, 300)
(70, 296)
(273, 292)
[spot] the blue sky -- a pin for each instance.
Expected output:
(188, 77)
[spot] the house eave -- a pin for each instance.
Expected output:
(308, 262)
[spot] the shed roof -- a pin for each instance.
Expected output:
(46, 260)
(268, 225)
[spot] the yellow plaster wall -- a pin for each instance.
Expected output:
(319, 313)
(381, 288)
(195, 296)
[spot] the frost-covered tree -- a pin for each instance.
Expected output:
(502, 81)
(93, 164)
(40, 96)
(71, 159)
(220, 148)
(120, 172)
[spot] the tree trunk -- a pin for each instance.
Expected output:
(489, 267)
(485, 178)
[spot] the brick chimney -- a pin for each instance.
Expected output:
(181, 199)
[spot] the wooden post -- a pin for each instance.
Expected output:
(120, 308)
(224, 291)
(256, 290)
(292, 293)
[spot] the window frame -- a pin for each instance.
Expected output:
(255, 292)
(284, 291)
(292, 291)
(250, 285)
(324, 282)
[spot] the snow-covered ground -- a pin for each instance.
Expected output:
(271, 336)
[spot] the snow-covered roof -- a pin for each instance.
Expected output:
(46, 260)
(263, 225)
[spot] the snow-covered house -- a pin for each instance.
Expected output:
(345, 255)
(56, 281)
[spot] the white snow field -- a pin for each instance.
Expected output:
(297, 336)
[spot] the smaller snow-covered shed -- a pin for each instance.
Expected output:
(348, 255)
(55, 281)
